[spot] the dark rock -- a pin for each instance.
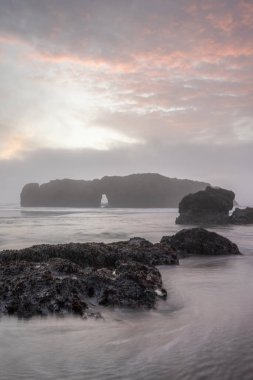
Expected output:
(64, 278)
(242, 216)
(141, 250)
(98, 255)
(210, 206)
(37, 289)
(147, 190)
(30, 195)
(198, 241)
(130, 285)
(136, 190)
(61, 193)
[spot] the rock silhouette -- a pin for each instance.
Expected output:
(242, 216)
(61, 193)
(136, 190)
(209, 206)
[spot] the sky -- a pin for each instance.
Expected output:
(112, 87)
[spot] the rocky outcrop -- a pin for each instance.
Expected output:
(242, 216)
(136, 190)
(62, 193)
(77, 278)
(198, 241)
(209, 206)
(97, 255)
(82, 278)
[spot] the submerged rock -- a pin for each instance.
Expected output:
(75, 278)
(242, 216)
(198, 241)
(209, 206)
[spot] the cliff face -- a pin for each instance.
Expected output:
(30, 195)
(136, 190)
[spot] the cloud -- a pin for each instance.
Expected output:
(13, 147)
(141, 77)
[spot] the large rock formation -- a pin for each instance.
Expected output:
(136, 190)
(198, 241)
(242, 216)
(61, 193)
(209, 206)
(77, 278)
(80, 278)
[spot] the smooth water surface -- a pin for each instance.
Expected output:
(204, 330)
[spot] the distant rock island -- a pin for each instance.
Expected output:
(147, 190)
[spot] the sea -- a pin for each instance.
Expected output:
(203, 331)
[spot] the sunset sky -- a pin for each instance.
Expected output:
(103, 87)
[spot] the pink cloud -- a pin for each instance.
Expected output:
(9, 39)
(226, 23)
(89, 62)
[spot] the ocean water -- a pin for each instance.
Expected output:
(203, 331)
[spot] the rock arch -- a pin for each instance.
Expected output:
(148, 190)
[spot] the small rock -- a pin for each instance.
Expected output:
(242, 216)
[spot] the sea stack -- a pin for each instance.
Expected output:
(209, 206)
